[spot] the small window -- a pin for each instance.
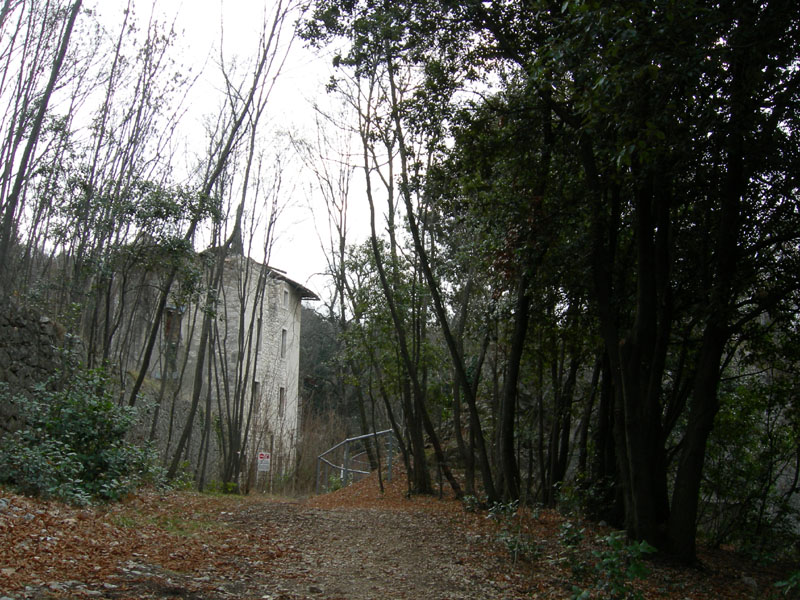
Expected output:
(284, 336)
(285, 298)
(256, 390)
(281, 402)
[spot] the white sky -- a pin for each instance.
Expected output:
(297, 248)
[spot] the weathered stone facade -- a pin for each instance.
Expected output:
(253, 369)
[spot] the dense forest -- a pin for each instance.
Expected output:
(580, 284)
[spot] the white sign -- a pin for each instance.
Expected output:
(263, 461)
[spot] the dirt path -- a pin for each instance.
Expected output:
(373, 553)
(188, 546)
(353, 544)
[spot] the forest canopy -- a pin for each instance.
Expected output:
(584, 252)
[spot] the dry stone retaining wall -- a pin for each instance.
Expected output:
(29, 354)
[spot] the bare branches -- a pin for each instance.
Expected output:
(10, 204)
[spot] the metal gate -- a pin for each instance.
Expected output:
(346, 462)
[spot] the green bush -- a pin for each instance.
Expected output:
(616, 568)
(471, 503)
(503, 511)
(521, 546)
(72, 447)
(571, 537)
(570, 534)
(748, 496)
(221, 487)
(334, 483)
(747, 499)
(790, 586)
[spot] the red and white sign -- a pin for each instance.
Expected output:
(263, 461)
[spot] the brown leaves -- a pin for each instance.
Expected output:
(43, 542)
(193, 546)
(723, 574)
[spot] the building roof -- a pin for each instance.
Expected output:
(305, 293)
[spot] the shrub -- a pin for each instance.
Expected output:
(749, 496)
(471, 503)
(72, 447)
(503, 511)
(789, 586)
(616, 568)
(221, 487)
(520, 546)
(571, 537)
(334, 483)
(570, 534)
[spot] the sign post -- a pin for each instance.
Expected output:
(263, 462)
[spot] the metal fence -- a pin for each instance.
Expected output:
(347, 462)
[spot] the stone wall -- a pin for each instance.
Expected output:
(29, 354)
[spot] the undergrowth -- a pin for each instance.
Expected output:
(72, 446)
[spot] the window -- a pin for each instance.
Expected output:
(285, 298)
(284, 336)
(281, 402)
(256, 390)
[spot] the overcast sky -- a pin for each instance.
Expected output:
(198, 23)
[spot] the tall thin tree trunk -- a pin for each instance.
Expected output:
(7, 233)
(508, 462)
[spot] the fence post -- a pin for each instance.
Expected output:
(346, 470)
(316, 487)
(389, 458)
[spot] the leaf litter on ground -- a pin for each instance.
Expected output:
(190, 545)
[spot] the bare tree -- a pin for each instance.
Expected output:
(246, 103)
(28, 102)
(330, 160)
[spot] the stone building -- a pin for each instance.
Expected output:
(250, 392)
(248, 384)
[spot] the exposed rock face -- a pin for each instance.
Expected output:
(29, 354)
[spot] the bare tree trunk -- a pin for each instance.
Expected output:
(583, 443)
(197, 385)
(12, 201)
(259, 83)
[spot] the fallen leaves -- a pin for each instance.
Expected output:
(721, 574)
(355, 543)
(43, 542)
